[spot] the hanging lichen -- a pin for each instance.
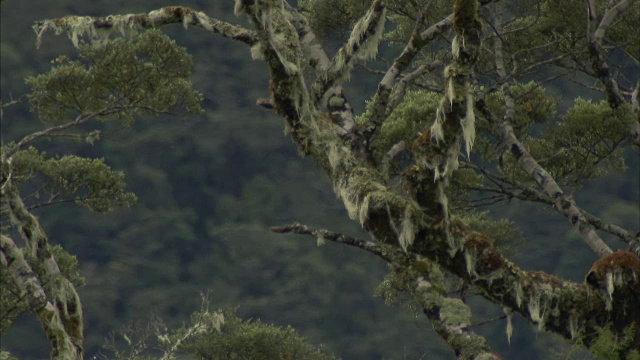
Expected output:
(407, 230)
(509, 330)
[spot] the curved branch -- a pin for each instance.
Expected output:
(79, 25)
(447, 315)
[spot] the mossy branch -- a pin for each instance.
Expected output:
(58, 310)
(99, 27)
(380, 107)
(422, 279)
(362, 44)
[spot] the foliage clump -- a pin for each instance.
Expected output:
(414, 114)
(91, 182)
(583, 144)
(252, 339)
(607, 345)
(119, 79)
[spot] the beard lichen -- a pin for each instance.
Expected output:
(369, 48)
(537, 311)
(407, 230)
(509, 313)
(468, 124)
(470, 261)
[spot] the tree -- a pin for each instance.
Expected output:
(40, 277)
(413, 192)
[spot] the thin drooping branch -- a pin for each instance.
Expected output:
(504, 131)
(609, 228)
(422, 279)
(369, 246)
(79, 120)
(527, 193)
(77, 26)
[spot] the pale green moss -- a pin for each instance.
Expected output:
(454, 313)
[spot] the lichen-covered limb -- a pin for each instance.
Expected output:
(300, 229)
(21, 273)
(600, 64)
(563, 307)
(421, 278)
(400, 89)
(60, 312)
(362, 44)
(334, 100)
(381, 98)
(566, 205)
(80, 25)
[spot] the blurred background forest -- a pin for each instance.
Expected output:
(210, 185)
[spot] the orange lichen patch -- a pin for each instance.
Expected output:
(621, 266)
(483, 247)
(422, 140)
(543, 277)
(479, 242)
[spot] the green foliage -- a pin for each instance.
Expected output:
(13, 302)
(91, 182)
(607, 346)
(5, 355)
(251, 339)
(532, 105)
(507, 236)
(415, 113)
(119, 79)
(584, 144)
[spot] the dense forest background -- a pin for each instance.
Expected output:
(210, 185)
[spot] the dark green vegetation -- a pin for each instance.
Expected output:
(209, 185)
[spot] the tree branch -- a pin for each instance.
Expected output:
(362, 44)
(450, 317)
(600, 64)
(416, 43)
(528, 163)
(80, 25)
(334, 101)
(60, 312)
